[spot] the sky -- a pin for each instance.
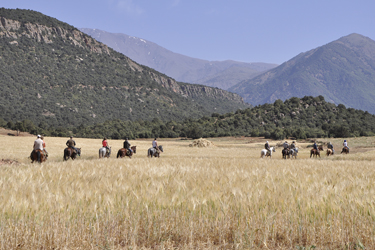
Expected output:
(270, 31)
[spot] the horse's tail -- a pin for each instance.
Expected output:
(118, 153)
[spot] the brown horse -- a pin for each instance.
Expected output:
(70, 153)
(314, 153)
(123, 152)
(345, 150)
(34, 156)
(329, 152)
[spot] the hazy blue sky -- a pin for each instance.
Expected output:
(271, 31)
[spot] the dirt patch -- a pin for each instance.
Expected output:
(9, 132)
(8, 162)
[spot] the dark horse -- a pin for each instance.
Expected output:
(345, 150)
(70, 153)
(285, 153)
(153, 152)
(34, 156)
(124, 152)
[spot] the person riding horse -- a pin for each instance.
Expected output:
(155, 146)
(71, 144)
(105, 144)
(330, 146)
(127, 146)
(38, 147)
(44, 146)
(293, 145)
(345, 144)
(267, 147)
(315, 146)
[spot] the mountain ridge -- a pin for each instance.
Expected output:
(342, 71)
(53, 69)
(178, 66)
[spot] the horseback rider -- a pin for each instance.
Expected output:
(155, 145)
(105, 144)
(330, 146)
(71, 144)
(267, 146)
(293, 145)
(345, 144)
(38, 145)
(315, 147)
(44, 146)
(286, 146)
(127, 146)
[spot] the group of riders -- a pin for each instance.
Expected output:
(40, 146)
(288, 147)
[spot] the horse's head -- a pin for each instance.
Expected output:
(134, 148)
(273, 149)
(161, 148)
(79, 151)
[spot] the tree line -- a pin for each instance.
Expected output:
(300, 118)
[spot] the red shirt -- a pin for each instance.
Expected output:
(105, 143)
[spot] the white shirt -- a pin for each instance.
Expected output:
(345, 144)
(38, 144)
(155, 144)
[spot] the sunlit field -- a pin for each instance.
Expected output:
(221, 197)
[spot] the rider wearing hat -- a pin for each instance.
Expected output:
(38, 145)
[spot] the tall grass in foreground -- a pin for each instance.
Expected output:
(210, 198)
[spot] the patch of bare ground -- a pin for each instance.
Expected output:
(9, 132)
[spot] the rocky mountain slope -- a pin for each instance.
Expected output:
(221, 74)
(342, 71)
(54, 74)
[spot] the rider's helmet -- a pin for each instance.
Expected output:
(38, 136)
(266, 141)
(344, 140)
(126, 138)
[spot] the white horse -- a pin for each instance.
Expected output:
(103, 152)
(266, 153)
(294, 152)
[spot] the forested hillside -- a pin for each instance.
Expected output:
(53, 75)
(307, 117)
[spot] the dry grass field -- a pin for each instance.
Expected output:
(220, 197)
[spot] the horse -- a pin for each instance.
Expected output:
(103, 152)
(71, 153)
(329, 152)
(345, 150)
(267, 153)
(153, 152)
(34, 156)
(294, 152)
(315, 153)
(285, 153)
(124, 152)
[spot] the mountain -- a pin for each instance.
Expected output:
(342, 71)
(221, 74)
(55, 75)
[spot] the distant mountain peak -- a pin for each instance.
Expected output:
(221, 74)
(343, 71)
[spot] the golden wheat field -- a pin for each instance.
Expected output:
(218, 197)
